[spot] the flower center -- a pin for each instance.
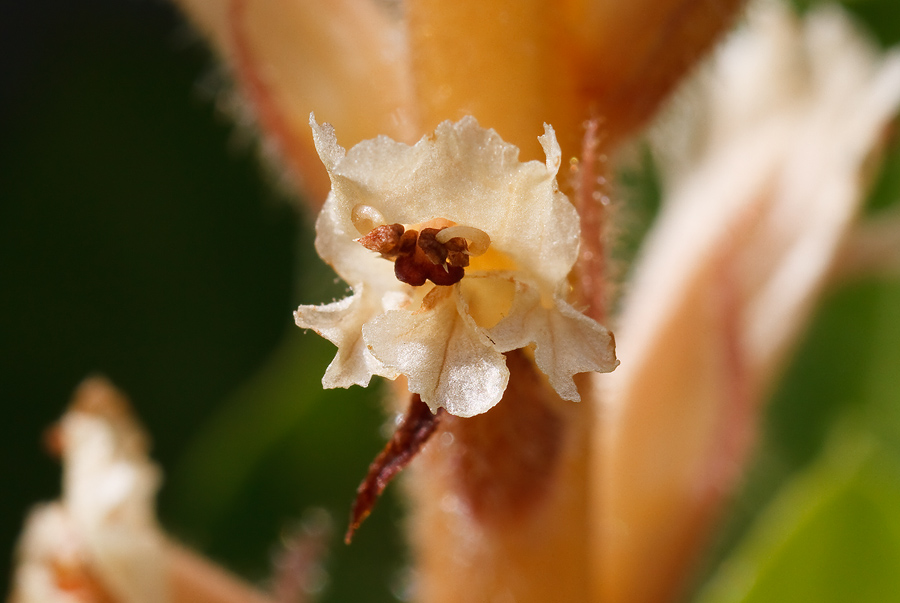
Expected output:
(439, 255)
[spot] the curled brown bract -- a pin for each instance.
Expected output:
(416, 428)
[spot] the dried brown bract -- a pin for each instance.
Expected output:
(417, 427)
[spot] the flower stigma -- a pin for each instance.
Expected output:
(478, 246)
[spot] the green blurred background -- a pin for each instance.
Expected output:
(140, 239)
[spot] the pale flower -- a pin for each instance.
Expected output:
(506, 217)
(101, 542)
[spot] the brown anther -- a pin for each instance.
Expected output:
(419, 256)
(456, 252)
(386, 240)
(408, 242)
(414, 269)
(412, 272)
(434, 251)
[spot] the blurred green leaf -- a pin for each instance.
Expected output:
(886, 186)
(879, 17)
(637, 198)
(236, 439)
(883, 383)
(832, 534)
(280, 447)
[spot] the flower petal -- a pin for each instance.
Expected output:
(467, 174)
(566, 341)
(341, 323)
(449, 361)
(335, 233)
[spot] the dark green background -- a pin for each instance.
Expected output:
(139, 239)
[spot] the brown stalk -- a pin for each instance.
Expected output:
(591, 202)
(500, 499)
